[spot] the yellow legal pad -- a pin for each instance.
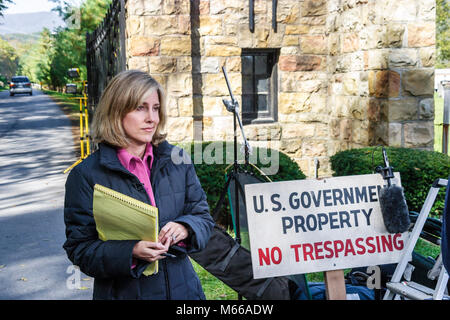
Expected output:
(120, 217)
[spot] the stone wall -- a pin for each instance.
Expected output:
(381, 65)
(351, 73)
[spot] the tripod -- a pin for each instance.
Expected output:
(238, 176)
(233, 106)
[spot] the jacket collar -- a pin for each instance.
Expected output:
(108, 155)
(162, 150)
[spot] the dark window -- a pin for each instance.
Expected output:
(20, 79)
(259, 85)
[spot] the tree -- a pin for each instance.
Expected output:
(9, 60)
(70, 46)
(4, 5)
(442, 34)
(57, 52)
(36, 62)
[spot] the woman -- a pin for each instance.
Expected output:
(133, 158)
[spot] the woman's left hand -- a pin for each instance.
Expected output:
(172, 232)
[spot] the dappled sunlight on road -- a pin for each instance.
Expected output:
(36, 147)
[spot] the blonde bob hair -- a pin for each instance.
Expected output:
(123, 94)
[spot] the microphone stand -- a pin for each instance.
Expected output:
(233, 106)
(385, 172)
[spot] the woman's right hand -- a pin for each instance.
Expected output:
(149, 251)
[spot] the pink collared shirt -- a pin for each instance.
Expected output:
(139, 167)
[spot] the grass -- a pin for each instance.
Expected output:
(214, 288)
(65, 98)
(427, 248)
(217, 290)
(438, 118)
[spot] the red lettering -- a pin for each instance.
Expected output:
(386, 243)
(378, 244)
(371, 245)
(308, 251)
(326, 245)
(349, 247)
(296, 247)
(263, 256)
(318, 250)
(332, 249)
(398, 244)
(272, 254)
(358, 244)
(338, 249)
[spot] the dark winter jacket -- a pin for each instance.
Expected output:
(445, 244)
(179, 198)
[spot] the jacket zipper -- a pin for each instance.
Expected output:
(157, 170)
(158, 166)
(166, 277)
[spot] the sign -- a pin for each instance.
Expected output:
(308, 226)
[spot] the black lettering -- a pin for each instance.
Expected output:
(344, 217)
(367, 215)
(293, 201)
(316, 200)
(287, 223)
(299, 223)
(327, 197)
(322, 219)
(255, 205)
(348, 196)
(379, 190)
(311, 222)
(361, 196)
(276, 202)
(333, 220)
(337, 196)
(355, 215)
(372, 194)
(305, 198)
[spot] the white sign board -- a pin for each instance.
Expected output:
(305, 226)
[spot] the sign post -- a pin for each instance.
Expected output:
(328, 225)
(335, 285)
(446, 118)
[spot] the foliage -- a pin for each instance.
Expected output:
(418, 170)
(442, 34)
(36, 62)
(4, 5)
(21, 42)
(55, 53)
(212, 172)
(9, 60)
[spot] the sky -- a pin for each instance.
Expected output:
(27, 6)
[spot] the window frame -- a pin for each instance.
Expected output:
(271, 114)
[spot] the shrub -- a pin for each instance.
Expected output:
(217, 156)
(418, 170)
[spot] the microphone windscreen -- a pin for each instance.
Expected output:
(394, 209)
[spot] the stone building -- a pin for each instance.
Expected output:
(327, 76)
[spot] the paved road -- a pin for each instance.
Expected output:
(36, 146)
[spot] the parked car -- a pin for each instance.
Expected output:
(20, 84)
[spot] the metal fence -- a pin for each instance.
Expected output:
(105, 51)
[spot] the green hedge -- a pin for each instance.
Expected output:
(212, 175)
(418, 170)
